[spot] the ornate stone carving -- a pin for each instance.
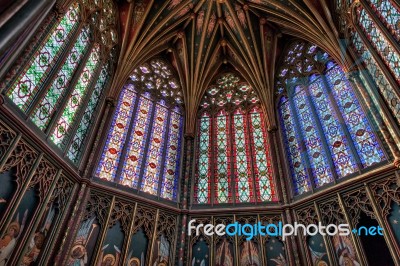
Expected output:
(386, 192)
(357, 202)
(144, 219)
(97, 205)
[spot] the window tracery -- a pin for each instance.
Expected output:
(233, 157)
(326, 133)
(62, 84)
(142, 149)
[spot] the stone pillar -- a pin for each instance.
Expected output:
(186, 177)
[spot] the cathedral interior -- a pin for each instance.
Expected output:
(121, 121)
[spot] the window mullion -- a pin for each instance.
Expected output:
(147, 144)
(342, 122)
(68, 91)
(166, 139)
(301, 140)
(126, 142)
(81, 110)
(377, 59)
(212, 158)
(54, 71)
(252, 154)
(321, 133)
(233, 160)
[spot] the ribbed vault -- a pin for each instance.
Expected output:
(201, 38)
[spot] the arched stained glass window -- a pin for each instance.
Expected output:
(233, 160)
(143, 146)
(375, 37)
(61, 85)
(326, 133)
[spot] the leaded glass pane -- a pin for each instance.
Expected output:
(152, 167)
(387, 91)
(364, 139)
(26, 87)
(261, 158)
(379, 42)
(47, 106)
(136, 146)
(204, 160)
(337, 141)
(169, 184)
(222, 158)
(293, 149)
(312, 140)
(78, 142)
(76, 98)
(241, 158)
(110, 158)
(389, 14)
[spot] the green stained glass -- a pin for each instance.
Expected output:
(262, 163)
(76, 98)
(47, 106)
(31, 80)
(76, 148)
(203, 177)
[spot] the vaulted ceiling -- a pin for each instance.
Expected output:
(201, 38)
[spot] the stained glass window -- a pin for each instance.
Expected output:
(143, 146)
(60, 84)
(375, 35)
(326, 133)
(232, 145)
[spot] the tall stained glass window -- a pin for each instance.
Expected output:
(233, 159)
(143, 146)
(375, 38)
(60, 84)
(326, 133)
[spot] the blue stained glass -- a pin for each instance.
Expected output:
(295, 155)
(170, 178)
(155, 151)
(337, 141)
(364, 139)
(135, 152)
(312, 140)
(110, 158)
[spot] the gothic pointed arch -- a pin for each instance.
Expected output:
(143, 146)
(233, 157)
(326, 132)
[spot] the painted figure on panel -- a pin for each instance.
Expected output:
(37, 241)
(79, 255)
(317, 257)
(224, 255)
(249, 254)
(280, 260)
(9, 240)
(109, 259)
(162, 252)
(345, 251)
(135, 261)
